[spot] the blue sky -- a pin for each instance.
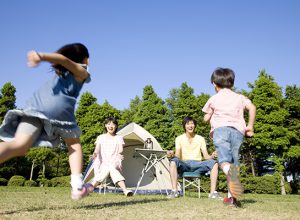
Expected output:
(163, 43)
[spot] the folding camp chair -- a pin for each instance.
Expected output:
(190, 179)
(105, 184)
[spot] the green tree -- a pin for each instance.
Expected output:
(203, 128)
(248, 151)
(270, 139)
(7, 99)
(59, 165)
(39, 156)
(129, 114)
(89, 121)
(153, 115)
(292, 104)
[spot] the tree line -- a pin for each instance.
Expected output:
(275, 146)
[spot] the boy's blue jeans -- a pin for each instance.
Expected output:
(228, 141)
(201, 167)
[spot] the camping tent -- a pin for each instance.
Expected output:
(157, 180)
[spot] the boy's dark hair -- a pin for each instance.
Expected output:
(188, 119)
(113, 120)
(76, 52)
(223, 78)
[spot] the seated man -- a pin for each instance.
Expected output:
(188, 158)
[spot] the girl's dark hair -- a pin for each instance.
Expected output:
(76, 52)
(113, 120)
(223, 78)
(188, 119)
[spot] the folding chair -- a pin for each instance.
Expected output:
(190, 179)
(103, 187)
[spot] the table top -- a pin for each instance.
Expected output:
(148, 152)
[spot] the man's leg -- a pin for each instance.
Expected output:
(204, 167)
(173, 175)
(176, 167)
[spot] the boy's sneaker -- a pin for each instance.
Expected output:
(128, 193)
(215, 195)
(234, 184)
(231, 202)
(77, 194)
(173, 195)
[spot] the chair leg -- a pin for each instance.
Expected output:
(199, 187)
(183, 187)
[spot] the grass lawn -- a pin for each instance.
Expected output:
(55, 203)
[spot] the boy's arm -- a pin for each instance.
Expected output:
(207, 117)
(80, 73)
(252, 113)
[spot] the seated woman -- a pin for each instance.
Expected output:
(108, 158)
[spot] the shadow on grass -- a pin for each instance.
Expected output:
(245, 202)
(123, 203)
(94, 206)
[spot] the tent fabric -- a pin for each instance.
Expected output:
(156, 180)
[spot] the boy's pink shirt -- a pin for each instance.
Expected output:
(108, 149)
(227, 109)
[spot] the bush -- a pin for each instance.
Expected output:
(267, 184)
(30, 183)
(3, 182)
(16, 181)
(63, 181)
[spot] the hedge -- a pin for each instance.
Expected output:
(63, 181)
(30, 183)
(16, 181)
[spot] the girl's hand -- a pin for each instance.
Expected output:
(34, 58)
(93, 156)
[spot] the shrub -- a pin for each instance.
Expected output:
(63, 181)
(30, 183)
(3, 182)
(16, 181)
(267, 184)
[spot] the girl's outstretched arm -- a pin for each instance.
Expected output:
(34, 58)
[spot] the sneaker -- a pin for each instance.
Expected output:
(83, 192)
(215, 195)
(128, 193)
(173, 195)
(234, 184)
(89, 187)
(231, 202)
